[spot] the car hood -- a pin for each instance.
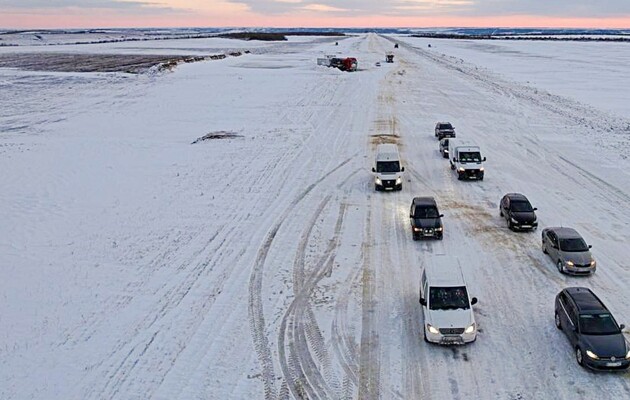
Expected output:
(581, 258)
(388, 175)
(524, 216)
(606, 345)
(470, 165)
(427, 222)
(449, 318)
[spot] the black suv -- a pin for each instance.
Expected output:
(426, 220)
(593, 332)
(444, 129)
(518, 212)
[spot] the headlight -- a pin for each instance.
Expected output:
(569, 263)
(593, 263)
(461, 169)
(417, 229)
(432, 329)
(514, 221)
(378, 181)
(591, 355)
(481, 169)
(470, 329)
(628, 355)
(398, 180)
(440, 229)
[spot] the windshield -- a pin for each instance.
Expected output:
(575, 244)
(426, 212)
(388, 166)
(446, 126)
(448, 298)
(521, 206)
(598, 324)
(469, 156)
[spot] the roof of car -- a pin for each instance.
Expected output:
(565, 233)
(428, 201)
(585, 299)
(443, 270)
(516, 196)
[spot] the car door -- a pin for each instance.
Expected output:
(563, 311)
(506, 209)
(552, 245)
(572, 330)
(412, 211)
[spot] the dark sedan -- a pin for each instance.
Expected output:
(591, 329)
(518, 212)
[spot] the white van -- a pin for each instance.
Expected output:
(446, 305)
(466, 160)
(387, 168)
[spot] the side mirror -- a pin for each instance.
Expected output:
(373, 169)
(590, 246)
(535, 209)
(402, 169)
(454, 159)
(410, 215)
(441, 215)
(622, 326)
(473, 301)
(484, 159)
(423, 301)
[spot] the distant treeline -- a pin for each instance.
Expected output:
(274, 36)
(522, 37)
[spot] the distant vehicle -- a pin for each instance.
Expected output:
(466, 160)
(389, 58)
(444, 129)
(444, 147)
(446, 305)
(387, 168)
(429, 45)
(591, 329)
(568, 250)
(336, 43)
(396, 46)
(426, 220)
(344, 64)
(378, 64)
(518, 212)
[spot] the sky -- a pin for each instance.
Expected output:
(27, 14)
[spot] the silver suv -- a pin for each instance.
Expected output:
(444, 129)
(568, 250)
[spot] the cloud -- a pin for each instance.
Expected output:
(322, 8)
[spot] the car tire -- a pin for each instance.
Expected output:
(544, 248)
(500, 212)
(445, 155)
(560, 267)
(452, 167)
(425, 335)
(556, 319)
(413, 236)
(579, 357)
(399, 187)
(377, 188)
(509, 225)
(440, 237)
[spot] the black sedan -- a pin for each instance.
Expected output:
(591, 329)
(518, 212)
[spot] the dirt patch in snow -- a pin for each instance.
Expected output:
(384, 138)
(216, 135)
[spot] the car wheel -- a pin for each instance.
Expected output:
(500, 212)
(509, 225)
(440, 237)
(376, 188)
(560, 267)
(413, 236)
(578, 356)
(544, 248)
(425, 335)
(557, 320)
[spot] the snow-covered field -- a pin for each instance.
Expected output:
(137, 265)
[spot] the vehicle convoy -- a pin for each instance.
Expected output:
(594, 335)
(568, 250)
(387, 168)
(389, 58)
(518, 212)
(466, 160)
(446, 305)
(426, 220)
(444, 147)
(444, 129)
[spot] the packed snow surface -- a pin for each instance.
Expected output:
(260, 263)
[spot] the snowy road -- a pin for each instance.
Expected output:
(137, 265)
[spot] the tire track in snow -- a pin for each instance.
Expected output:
(255, 302)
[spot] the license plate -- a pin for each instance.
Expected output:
(451, 340)
(428, 234)
(526, 226)
(614, 364)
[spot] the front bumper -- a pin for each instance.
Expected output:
(427, 232)
(473, 174)
(607, 364)
(450, 339)
(579, 270)
(525, 225)
(389, 184)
